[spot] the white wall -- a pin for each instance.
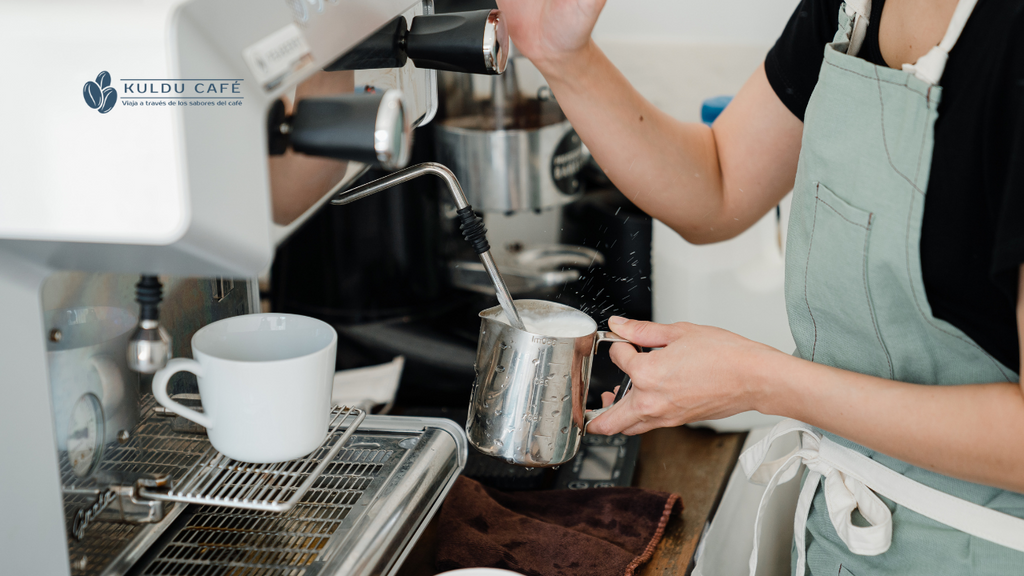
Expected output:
(678, 53)
(697, 21)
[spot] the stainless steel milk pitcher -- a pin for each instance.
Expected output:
(529, 399)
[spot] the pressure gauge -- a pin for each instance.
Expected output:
(85, 435)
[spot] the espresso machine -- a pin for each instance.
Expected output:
(210, 131)
(415, 290)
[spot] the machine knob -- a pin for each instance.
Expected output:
(367, 128)
(474, 42)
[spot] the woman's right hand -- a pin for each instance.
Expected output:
(550, 32)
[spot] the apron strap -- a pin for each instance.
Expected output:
(851, 483)
(931, 66)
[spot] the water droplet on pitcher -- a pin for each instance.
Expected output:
(500, 368)
(504, 346)
(510, 461)
(499, 443)
(564, 429)
(497, 412)
(564, 398)
(536, 360)
(556, 412)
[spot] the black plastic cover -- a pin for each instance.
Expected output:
(339, 127)
(384, 49)
(449, 42)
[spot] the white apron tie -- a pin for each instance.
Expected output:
(928, 67)
(851, 481)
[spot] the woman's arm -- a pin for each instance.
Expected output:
(708, 184)
(973, 432)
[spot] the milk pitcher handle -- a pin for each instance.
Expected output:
(608, 336)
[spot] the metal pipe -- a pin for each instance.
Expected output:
(459, 197)
(402, 176)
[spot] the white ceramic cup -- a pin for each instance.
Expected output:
(265, 381)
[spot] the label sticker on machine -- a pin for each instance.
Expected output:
(278, 56)
(566, 163)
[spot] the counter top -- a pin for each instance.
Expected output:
(695, 464)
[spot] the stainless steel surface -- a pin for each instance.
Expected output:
(534, 270)
(513, 170)
(117, 500)
(149, 347)
(359, 520)
(376, 472)
(87, 363)
(496, 43)
(501, 291)
(108, 547)
(530, 393)
(378, 540)
(458, 196)
(217, 480)
(370, 188)
(392, 135)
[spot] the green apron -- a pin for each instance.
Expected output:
(856, 301)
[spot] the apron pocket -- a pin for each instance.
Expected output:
(836, 294)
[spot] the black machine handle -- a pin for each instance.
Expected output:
(369, 128)
(384, 49)
(473, 42)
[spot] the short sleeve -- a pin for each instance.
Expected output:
(793, 63)
(1008, 252)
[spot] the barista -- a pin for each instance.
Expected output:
(899, 125)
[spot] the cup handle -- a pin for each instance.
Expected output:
(163, 376)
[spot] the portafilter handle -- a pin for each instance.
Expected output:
(472, 226)
(474, 42)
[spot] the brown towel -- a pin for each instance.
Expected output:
(595, 532)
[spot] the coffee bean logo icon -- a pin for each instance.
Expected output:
(100, 95)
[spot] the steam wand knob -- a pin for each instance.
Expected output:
(370, 128)
(149, 348)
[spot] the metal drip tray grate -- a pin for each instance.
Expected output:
(217, 480)
(370, 500)
(219, 541)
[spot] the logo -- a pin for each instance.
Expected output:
(100, 95)
(566, 163)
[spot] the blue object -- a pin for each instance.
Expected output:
(712, 107)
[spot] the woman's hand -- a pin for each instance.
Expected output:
(550, 32)
(699, 373)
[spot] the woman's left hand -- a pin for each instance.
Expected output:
(699, 373)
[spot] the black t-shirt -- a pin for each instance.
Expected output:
(972, 236)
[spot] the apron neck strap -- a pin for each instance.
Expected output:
(931, 66)
(859, 12)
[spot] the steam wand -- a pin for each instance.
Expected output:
(472, 226)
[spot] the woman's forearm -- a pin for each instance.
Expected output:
(708, 185)
(658, 162)
(972, 432)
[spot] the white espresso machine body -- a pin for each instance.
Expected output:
(100, 180)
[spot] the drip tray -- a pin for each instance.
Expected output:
(358, 517)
